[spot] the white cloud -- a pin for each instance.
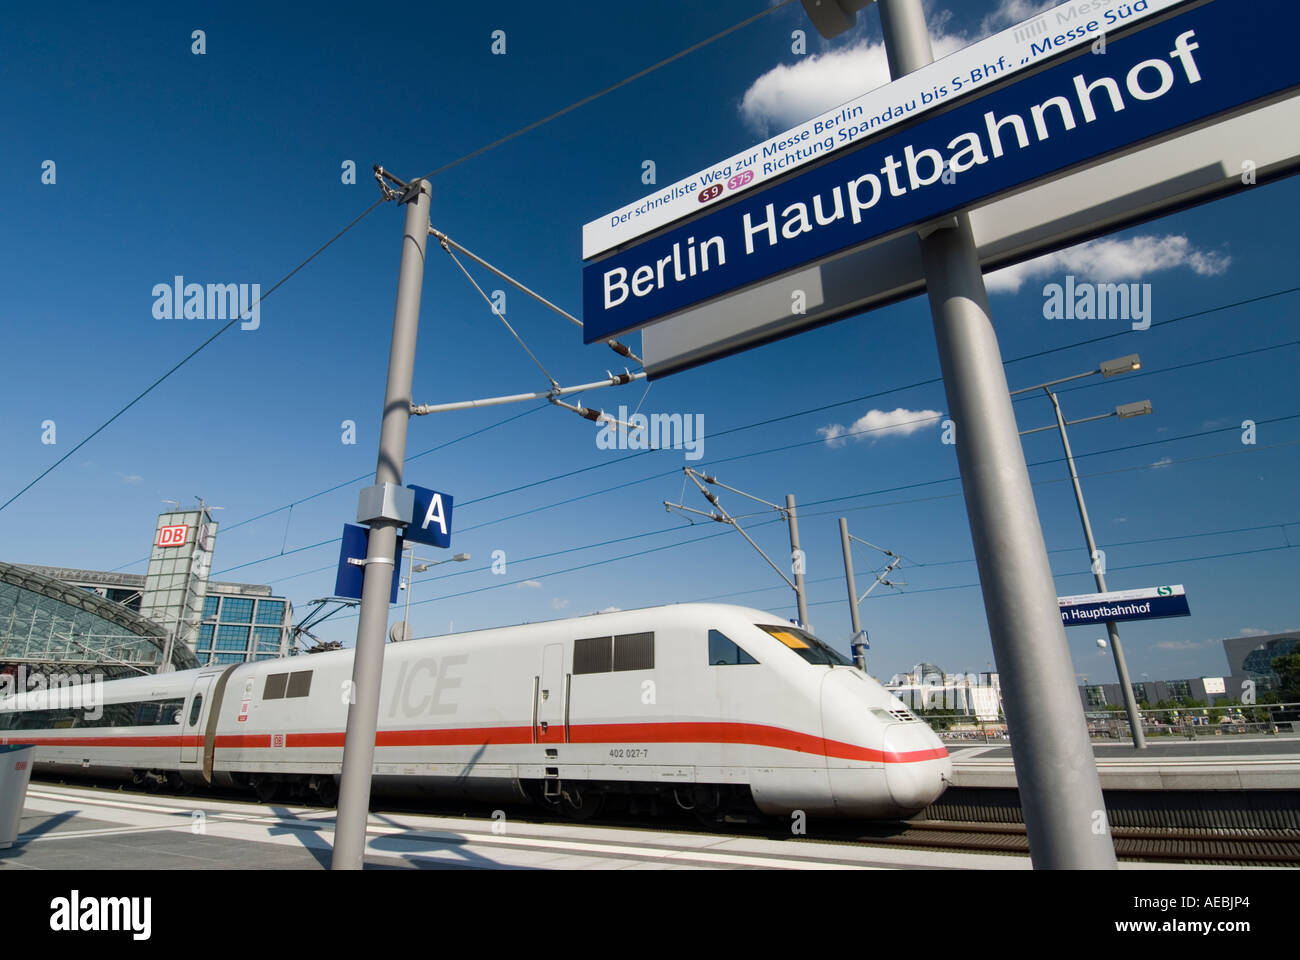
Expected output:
(528, 585)
(875, 424)
(1162, 462)
(1010, 12)
(129, 478)
(789, 94)
(1111, 261)
(611, 610)
(558, 604)
(1253, 632)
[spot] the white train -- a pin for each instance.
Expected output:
(707, 706)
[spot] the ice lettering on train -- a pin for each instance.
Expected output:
(421, 687)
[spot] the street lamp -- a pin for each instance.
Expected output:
(406, 585)
(1124, 412)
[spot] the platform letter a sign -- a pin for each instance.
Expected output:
(435, 515)
(432, 518)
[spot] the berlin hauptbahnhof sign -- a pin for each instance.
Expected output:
(1192, 66)
(1150, 603)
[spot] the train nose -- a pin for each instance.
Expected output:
(918, 768)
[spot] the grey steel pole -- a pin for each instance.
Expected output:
(859, 657)
(800, 594)
(1060, 792)
(1121, 666)
(368, 659)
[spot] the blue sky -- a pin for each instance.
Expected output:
(225, 167)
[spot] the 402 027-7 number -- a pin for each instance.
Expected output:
(629, 753)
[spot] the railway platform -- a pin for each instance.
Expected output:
(83, 828)
(1256, 763)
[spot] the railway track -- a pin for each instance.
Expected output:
(1262, 847)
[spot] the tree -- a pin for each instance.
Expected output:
(1287, 669)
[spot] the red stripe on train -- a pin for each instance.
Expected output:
(751, 734)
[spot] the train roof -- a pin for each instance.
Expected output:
(168, 684)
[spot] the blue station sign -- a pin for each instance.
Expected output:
(351, 576)
(1186, 68)
(1150, 603)
(431, 521)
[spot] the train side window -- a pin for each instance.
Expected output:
(299, 684)
(147, 713)
(723, 651)
(195, 708)
(119, 714)
(634, 651)
(275, 685)
(593, 655)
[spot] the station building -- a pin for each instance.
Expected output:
(172, 617)
(1208, 690)
(52, 626)
(1253, 656)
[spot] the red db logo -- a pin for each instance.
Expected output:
(172, 536)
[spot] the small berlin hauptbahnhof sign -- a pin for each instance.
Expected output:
(1194, 63)
(1149, 603)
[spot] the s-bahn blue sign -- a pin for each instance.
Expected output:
(1150, 603)
(1205, 62)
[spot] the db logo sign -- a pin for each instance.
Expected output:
(172, 536)
(20, 765)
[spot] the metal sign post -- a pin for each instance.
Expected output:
(384, 507)
(1065, 815)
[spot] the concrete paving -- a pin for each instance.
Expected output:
(76, 828)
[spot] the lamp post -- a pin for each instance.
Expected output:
(415, 568)
(1123, 412)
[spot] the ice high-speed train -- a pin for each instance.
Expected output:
(707, 706)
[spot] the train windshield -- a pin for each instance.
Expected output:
(806, 645)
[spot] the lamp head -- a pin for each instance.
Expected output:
(1121, 365)
(1139, 409)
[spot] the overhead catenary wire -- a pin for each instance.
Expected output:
(388, 194)
(501, 314)
(611, 88)
(1281, 525)
(893, 489)
(447, 243)
(190, 356)
(760, 423)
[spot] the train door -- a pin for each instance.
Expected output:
(192, 721)
(550, 696)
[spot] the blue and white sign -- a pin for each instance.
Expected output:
(431, 521)
(1150, 603)
(1197, 65)
(351, 576)
(1022, 46)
